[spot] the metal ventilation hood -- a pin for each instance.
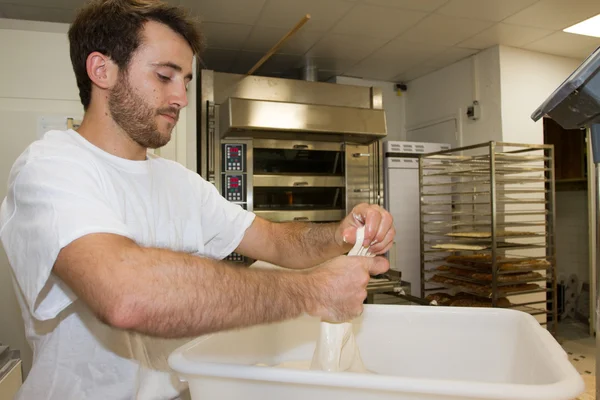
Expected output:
(243, 117)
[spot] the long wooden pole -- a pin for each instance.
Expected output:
(295, 29)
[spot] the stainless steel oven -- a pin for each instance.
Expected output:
(291, 150)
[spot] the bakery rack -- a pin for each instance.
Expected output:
(487, 228)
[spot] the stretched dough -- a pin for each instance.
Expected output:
(336, 348)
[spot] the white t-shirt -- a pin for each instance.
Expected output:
(63, 187)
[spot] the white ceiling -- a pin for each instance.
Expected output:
(393, 40)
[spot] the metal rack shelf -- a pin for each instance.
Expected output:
(492, 206)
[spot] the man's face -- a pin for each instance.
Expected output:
(148, 96)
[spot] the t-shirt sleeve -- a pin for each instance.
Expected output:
(223, 223)
(50, 203)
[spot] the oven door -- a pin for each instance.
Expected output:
(298, 180)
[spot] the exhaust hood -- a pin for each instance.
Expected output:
(243, 117)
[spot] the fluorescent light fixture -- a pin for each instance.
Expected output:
(589, 27)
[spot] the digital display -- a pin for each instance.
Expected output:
(234, 150)
(234, 182)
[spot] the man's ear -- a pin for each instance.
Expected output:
(103, 72)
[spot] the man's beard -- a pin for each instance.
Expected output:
(136, 117)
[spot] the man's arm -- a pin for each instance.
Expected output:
(300, 245)
(170, 294)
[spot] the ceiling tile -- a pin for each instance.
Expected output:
(448, 57)
(37, 13)
(286, 13)
(244, 61)
(372, 68)
(231, 11)
(413, 73)
(332, 64)
(566, 44)
(556, 14)
(418, 5)
(509, 35)
(400, 49)
(218, 59)
(281, 63)
(378, 22)
(445, 30)
(263, 38)
(349, 47)
(225, 36)
(276, 64)
(489, 10)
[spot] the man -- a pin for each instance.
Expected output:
(115, 253)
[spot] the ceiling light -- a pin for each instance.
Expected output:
(589, 27)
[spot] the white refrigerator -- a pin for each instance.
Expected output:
(401, 191)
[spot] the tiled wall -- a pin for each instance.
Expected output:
(572, 240)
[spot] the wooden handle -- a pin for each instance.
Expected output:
(295, 29)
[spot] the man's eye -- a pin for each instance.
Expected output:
(163, 78)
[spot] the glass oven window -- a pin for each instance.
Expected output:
(305, 162)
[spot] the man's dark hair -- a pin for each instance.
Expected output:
(114, 28)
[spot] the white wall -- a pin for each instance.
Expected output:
(445, 95)
(37, 80)
(527, 79)
(393, 104)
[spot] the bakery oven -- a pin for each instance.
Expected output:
(291, 150)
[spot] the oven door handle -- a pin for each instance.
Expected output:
(300, 218)
(362, 190)
(300, 146)
(357, 155)
(300, 184)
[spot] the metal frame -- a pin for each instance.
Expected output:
(484, 168)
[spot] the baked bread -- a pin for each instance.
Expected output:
(507, 277)
(443, 299)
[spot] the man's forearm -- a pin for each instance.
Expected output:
(179, 295)
(302, 245)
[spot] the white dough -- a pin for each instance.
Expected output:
(336, 347)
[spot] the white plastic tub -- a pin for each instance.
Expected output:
(415, 352)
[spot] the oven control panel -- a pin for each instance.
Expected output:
(234, 181)
(234, 188)
(234, 157)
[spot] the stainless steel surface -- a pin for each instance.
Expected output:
(289, 90)
(592, 227)
(304, 215)
(493, 217)
(239, 117)
(298, 181)
(480, 205)
(376, 98)
(301, 166)
(596, 267)
(297, 145)
(310, 71)
(206, 95)
(358, 176)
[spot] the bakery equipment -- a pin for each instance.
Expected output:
(401, 191)
(576, 104)
(487, 227)
(291, 150)
(425, 353)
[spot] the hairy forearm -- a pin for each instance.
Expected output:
(301, 245)
(179, 295)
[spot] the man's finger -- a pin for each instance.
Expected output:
(377, 265)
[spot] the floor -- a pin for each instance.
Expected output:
(575, 339)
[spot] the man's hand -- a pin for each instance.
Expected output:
(379, 228)
(339, 286)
